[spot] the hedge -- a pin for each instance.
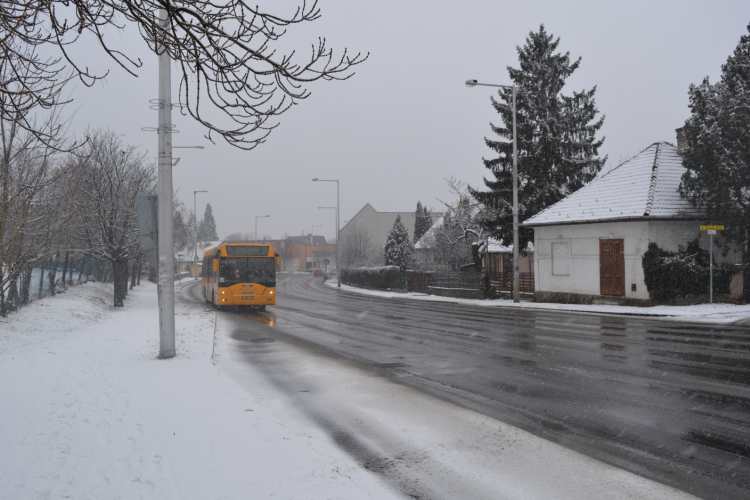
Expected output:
(669, 275)
(378, 278)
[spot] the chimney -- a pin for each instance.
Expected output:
(682, 142)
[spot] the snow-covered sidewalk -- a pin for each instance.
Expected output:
(89, 412)
(704, 313)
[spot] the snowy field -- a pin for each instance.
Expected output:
(704, 313)
(89, 413)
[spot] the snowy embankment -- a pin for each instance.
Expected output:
(89, 412)
(704, 313)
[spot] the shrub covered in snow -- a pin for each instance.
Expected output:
(669, 275)
(378, 278)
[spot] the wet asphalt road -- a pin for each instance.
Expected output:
(666, 400)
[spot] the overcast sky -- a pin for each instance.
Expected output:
(405, 121)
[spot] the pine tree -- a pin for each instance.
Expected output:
(426, 219)
(557, 145)
(717, 158)
(207, 227)
(398, 250)
(419, 222)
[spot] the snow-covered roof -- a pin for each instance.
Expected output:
(495, 246)
(644, 187)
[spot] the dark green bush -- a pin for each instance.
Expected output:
(377, 278)
(669, 275)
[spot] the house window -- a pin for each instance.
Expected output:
(561, 258)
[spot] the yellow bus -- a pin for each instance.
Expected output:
(240, 274)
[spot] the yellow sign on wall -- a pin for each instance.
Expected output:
(712, 228)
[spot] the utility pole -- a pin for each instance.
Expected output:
(166, 258)
(195, 233)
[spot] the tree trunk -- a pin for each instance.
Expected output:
(14, 300)
(83, 265)
(2, 294)
(26, 286)
(133, 272)
(52, 275)
(120, 278)
(65, 270)
(41, 280)
(99, 273)
(140, 269)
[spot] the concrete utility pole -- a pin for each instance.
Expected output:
(256, 226)
(338, 225)
(195, 233)
(516, 273)
(166, 258)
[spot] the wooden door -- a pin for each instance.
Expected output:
(612, 267)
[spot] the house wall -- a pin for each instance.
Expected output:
(583, 253)
(583, 245)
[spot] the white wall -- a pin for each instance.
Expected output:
(583, 240)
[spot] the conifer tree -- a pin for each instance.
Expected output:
(557, 144)
(398, 250)
(426, 219)
(717, 158)
(207, 227)
(419, 222)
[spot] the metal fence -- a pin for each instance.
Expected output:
(503, 282)
(458, 280)
(54, 276)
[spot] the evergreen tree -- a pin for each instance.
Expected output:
(426, 219)
(557, 145)
(207, 227)
(717, 158)
(398, 250)
(420, 224)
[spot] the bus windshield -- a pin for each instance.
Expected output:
(261, 270)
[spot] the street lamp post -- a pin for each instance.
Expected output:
(338, 212)
(516, 291)
(256, 225)
(312, 242)
(195, 233)
(337, 241)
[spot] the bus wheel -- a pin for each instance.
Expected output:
(262, 308)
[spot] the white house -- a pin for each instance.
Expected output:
(590, 244)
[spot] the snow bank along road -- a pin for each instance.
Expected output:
(393, 382)
(88, 412)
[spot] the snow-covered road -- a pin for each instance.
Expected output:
(424, 446)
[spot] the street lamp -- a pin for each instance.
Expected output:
(256, 225)
(338, 211)
(337, 241)
(312, 242)
(474, 83)
(195, 233)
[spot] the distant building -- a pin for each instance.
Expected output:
(377, 224)
(299, 253)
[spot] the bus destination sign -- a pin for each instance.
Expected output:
(712, 228)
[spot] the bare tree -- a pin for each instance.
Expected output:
(463, 222)
(357, 249)
(36, 189)
(112, 175)
(226, 52)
